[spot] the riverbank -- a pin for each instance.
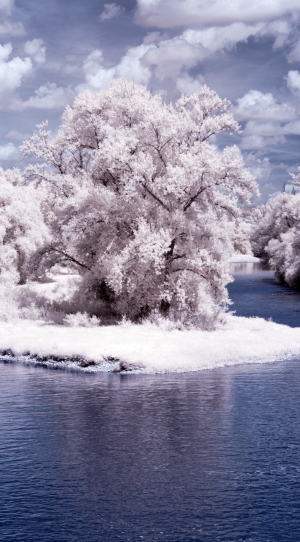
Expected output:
(148, 348)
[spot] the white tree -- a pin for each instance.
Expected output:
(22, 227)
(141, 202)
(276, 236)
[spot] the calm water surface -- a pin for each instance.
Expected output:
(207, 456)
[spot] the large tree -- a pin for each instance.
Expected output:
(141, 201)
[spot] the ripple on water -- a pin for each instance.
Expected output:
(206, 456)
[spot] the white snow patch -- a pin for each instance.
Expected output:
(243, 258)
(149, 349)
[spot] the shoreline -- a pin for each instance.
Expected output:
(147, 348)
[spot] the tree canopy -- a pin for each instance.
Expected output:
(139, 199)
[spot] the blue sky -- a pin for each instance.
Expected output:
(249, 52)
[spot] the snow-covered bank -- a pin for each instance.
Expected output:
(243, 258)
(150, 349)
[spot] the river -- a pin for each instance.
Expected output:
(208, 456)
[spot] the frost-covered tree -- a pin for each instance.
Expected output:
(22, 227)
(276, 236)
(141, 202)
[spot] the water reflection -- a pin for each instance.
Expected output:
(246, 268)
(255, 292)
(206, 456)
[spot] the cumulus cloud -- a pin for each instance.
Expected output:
(226, 37)
(36, 50)
(268, 121)
(130, 67)
(110, 11)
(187, 85)
(257, 105)
(204, 13)
(293, 81)
(259, 167)
(12, 71)
(9, 152)
(49, 96)
(170, 57)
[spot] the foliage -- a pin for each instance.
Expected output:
(141, 202)
(276, 236)
(22, 227)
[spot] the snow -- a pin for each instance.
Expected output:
(243, 258)
(151, 349)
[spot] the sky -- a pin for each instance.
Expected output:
(248, 52)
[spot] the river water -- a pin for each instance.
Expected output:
(208, 456)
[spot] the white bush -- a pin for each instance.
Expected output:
(81, 319)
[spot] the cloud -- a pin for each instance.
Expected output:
(206, 13)
(36, 50)
(265, 129)
(8, 28)
(130, 67)
(259, 167)
(9, 152)
(49, 96)
(268, 121)
(257, 105)
(111, 11)
(226, 37)
(12, 71)
(187, 85)
(16, 135)
(294, 55)
(260, 142)
(293, 81)
(292, 128)
(171, 56)
(6, 5)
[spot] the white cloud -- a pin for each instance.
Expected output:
(292, 128)
(226, 37)
(12, 71)
(269, 122)
(171, 56)
(36, 50)
(259, 167)
(153, 37)
(260, 142)
(187, 85)
(9, 152)
(206, 13)
(294, 55)
(110, 11)
(257, 105)
(6, 5)
(219, 38)
(293, 81)
(49, 96)
(8, 28)
(130, 67)
(265, 129)
(16, 135)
